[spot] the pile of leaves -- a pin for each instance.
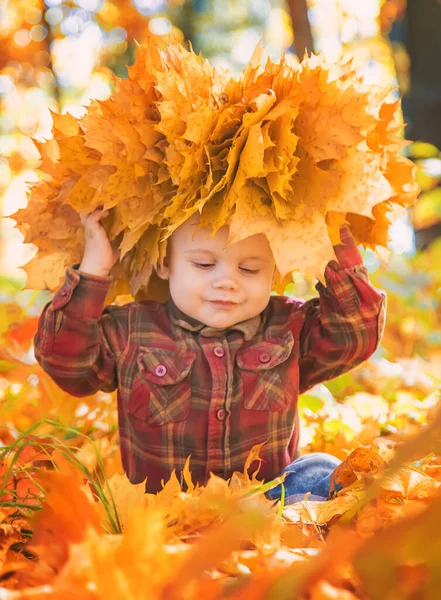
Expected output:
(376, 538)
(289, 150)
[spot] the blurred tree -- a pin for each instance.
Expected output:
(183, 18)
(226, 32)
(422, 104)
(420, 31)
(413, 27)
(392, 15)
(298, 9)
(346, 28)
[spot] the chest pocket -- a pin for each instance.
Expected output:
(261, 368)
(161, 390)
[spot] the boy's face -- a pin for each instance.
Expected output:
(201, 271)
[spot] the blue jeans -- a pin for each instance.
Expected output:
(308, 473)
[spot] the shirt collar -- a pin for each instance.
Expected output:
(249, 327)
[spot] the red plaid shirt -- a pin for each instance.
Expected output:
(187, 389)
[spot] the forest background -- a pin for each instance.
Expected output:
(382, 419)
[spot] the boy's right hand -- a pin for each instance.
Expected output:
(99, 256)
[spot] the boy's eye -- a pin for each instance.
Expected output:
(202, 265)
(208, 265)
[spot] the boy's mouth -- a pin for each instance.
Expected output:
(223, 303)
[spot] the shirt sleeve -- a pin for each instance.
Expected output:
(344, 325)
(77, 340)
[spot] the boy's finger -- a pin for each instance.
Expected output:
(346, 236)
(347, 252)
(96, 214)
(102, 212)
(96, 211)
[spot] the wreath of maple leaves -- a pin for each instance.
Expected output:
(290, 150)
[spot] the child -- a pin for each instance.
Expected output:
(219, 367)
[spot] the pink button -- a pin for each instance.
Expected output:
(160, 370)
(265, 357)
(219, 351)
(221, 414)
(63, 292)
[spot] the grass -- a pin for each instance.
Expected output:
(47, 442)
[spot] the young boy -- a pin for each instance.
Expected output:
(219, 367)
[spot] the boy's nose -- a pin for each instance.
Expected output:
(225, 282)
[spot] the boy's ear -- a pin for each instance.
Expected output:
(164, 271)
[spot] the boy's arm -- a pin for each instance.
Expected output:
(76, 339)
(343, 327)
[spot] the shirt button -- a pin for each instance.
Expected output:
(63, 292)
(160, 370)
(264, 357)
(221, 414)
(219, 351)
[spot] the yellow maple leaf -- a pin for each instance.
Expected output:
(126, 496)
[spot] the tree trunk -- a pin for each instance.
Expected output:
(303, 42)
(422, 105)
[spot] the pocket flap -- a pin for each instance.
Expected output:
(266, 354)
(163, 366)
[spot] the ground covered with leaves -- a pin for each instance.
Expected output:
(71, 525)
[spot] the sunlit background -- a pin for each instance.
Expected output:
(59, 55)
